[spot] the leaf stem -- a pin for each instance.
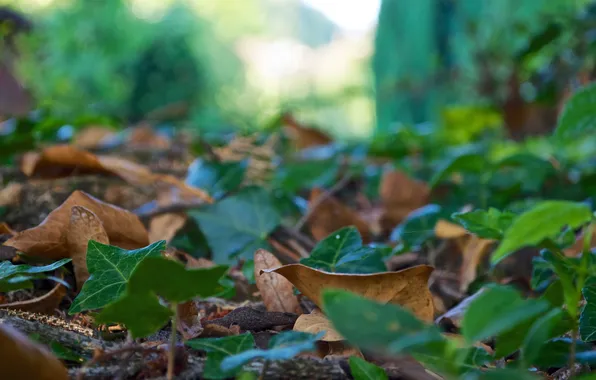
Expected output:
(172, 351)
(264, 369)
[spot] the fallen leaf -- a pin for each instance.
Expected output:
(145, 136)
(400, 195)
(316, 322)
(6, 230)
(166, 226)
(24, 359)
(277, 292)
(578, 246)
(84, 226)
(189, 323)
(447, 230)
(331, 215)
(46, 304)
(64, 160)
(93, 136)
(11, 194)
(475, 249)
(408, 287)
(303, 137)
(48, 240)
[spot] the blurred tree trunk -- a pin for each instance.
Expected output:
(15, 100)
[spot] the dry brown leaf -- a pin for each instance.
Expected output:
(339, 350)
(6, 230)
(145, 136)
(475, 249)
(92, 136)
(448, 230)
(48, 240)
(400, 195)
(189, 322)
(63, 160)
(578, 246)
(408, 287)
(277, 292)
(11, 194)
(24, 359)
(46, 304)
(331, 215)
(166, 226)
(84, 226)
(304, 137)
(316, 322)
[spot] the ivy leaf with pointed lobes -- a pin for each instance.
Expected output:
(545, 220)
(238, 222)
(342, 252)
(282, 346)
(216, 178)
(140, 309)
(11, 274)
(172, 281)
(363, 370)
(490, 224)
(110, 268)
(220, 348)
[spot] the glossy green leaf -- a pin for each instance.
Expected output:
(539, 334)
(282, 346)
(236, 222)
(497, 310)
(217, 178)
(545, 220)
(587, 320)
(387, 329)
(418, 227)
(502, 373)
(363, 370)
(220, 348)
(578, 117)
(469, 162)
(140, 309)
(342, 252)
(110, 269)
(490, 224)
(14, 277)
(300, 175)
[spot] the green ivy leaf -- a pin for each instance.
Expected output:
(220, 348)
(418, 227)
(296, 176)
(14, 277)
(110, 269)
(545, 220)
(342, 252)
(504, 373)
(238, 222)
(578, 117)
(140, 309)
(587, 320)
(217, 178)
(282, 346)
(363, 370)
(468, 162)
(386, 328)
(490, 224)
(497, 310)
(539, 334)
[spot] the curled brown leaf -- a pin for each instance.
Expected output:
(277, 292)
(408, 287)
(24, 359)
(84, 226)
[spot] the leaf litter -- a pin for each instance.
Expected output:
(125, 278)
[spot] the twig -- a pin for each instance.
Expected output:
(334, 189)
